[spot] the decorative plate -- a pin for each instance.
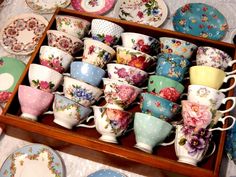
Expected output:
(200, 19)
(106, 173)
(46, 6)
(34, 160)
(93, 6)
(148, 12)
(22, 33)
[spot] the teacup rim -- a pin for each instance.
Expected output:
(207, 67)
(34, 65)
(65, 34)
(167, 78)
(72, 17)
(209, 47)
(88, 64)
(108, 22)
(177, 39)
(37, 90)
(133, 33)
(103, 107)
(126, 66)
(55, 48)
(212, 89)
(168, 101)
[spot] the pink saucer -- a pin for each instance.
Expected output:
(93, 6)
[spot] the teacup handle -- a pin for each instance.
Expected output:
(233, 99)
(87, 126)
(183, 94)
(151, 73)
(167, 144)
(223, 121)
(226, 80)
(231, 64)
(212, 152)
(66, 74)
(48, 112)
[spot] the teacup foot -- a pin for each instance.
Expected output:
(61, 123)
(109, 139)
(187, 161)
(144, 147)
(29, 116)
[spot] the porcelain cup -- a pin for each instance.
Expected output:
(74, 26)
(150, 132)
(87, 72)
(140, 42)
(165, 87)
(172, 66)
(106, 31)
(119, 93)
(111, 123)
(158, 106)
(33, 102)
(210, 97)
(97, 53)
(64, 41)
(81, 92)
(54, 58)
(131, 75)
(210, 77)
(209, 56)
(135, 58)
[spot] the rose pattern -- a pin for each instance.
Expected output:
(149, 47)
(4, 96)
(169, 93)
(107, 39)
(93, 3)
(43, 85)
(53, 62)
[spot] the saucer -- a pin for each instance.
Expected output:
(22, 33)
(106, 173)
(93, 6)
(34, 160)
(152, 12)
(200, 19)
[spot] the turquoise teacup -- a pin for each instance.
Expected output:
(150, 131)
(158, 107)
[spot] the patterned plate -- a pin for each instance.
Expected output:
(46, 6)
(200, 19)
(93, 6)
(22, 33)
(106, 173)
(34, 160)
(148, 12)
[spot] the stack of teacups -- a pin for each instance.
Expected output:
(200, 110)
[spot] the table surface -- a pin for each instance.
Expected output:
(76, 166)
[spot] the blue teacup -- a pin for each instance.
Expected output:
(86, 72)
(158, 107)
(172, 66)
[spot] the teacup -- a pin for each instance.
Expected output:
(106, 31)
(210, 97)
(119, 93)
(54, 58)
(131, 75)
(68, 113)
(97, 53)
(210, 77)
(86, 72)
(172, 66)
(158, 106)
(140, 42)
(111, 123)
(150, 131)
(74, 26)
(80, 91)
(64, 41)
(134, 58)
(177, 47)
(209, 56)
(33, 102)
(44, 78)
(165, 87)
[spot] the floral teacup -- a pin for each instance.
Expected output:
(55, 58)
(131, 75)
(44, 78)
(172, 66)
(119, 93)
(97, 53)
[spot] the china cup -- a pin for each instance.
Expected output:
(172, 66)
(80, 91)
(54, 58)
(106, 31)
(97, 53)
(74, 26)
(177, 47)
(131, 75)
(87, 72)
(150, 131)
(140, 42)
(33, 102)
(165, 87)
(44, 78)
(210, 77)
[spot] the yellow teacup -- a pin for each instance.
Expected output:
(210, 77)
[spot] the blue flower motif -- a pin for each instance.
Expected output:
(155, 11)
(106, 56)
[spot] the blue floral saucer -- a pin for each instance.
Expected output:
(106, 173)
(200, 19)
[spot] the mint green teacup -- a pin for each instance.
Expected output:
(150, 131)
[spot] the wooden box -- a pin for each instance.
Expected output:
(84, 142)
